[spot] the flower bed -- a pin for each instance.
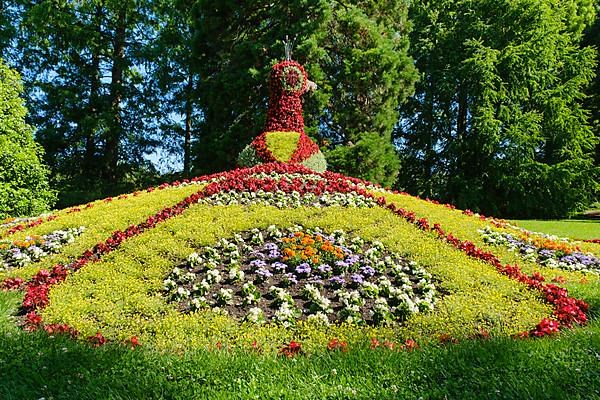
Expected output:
(545, 250)
(281, 276)
(133, 276)
(20, 253)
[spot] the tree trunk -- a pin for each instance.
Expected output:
(94, 104)
(461, 119)
(116, 95)
(188, 127)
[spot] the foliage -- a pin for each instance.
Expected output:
(248, 157)
(372, 158)
(497, 123)
(24, 188)
(316, 162)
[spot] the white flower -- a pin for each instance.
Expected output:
(198, 302)
(255, 315)
(213, 276)
(169, 284)
(235, 274)
(318, 318)
(194, 259)
(225, 295)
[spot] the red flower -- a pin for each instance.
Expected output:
(97, 340)
(446, 338)
(545, 327)
(134, 342)
(32, 321)
(12, 284)
(410, 345)
(374, 343)
(290, 350)
(337, 345)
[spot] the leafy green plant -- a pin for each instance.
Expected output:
(24, 188)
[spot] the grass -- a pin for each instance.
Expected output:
(572, 228)
(33, 366)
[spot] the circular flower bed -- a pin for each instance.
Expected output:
(282, 276)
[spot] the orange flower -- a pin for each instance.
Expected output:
(289, 252)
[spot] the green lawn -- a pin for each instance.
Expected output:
(34, 366)
(572, 228)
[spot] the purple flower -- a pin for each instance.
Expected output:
(337, 280)
(356, 278)
(545, 253)
(257, 255)
(258, 263)
(303, 268)
(353, 259)
(367, 270)
(316, 281)
(279, 266)
(324, 268)
(273, 254)
(270, 246)
(263, 273)
(341, 264)
(290, 279)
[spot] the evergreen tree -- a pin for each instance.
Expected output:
(24, 188)
(592, 38)
(174, 80)
(82, 65)
(497, 123)
(368, 73)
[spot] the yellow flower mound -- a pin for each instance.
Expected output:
(282, 144)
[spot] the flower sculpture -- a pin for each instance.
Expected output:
(283, 139)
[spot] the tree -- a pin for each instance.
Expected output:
(592, 38)
(81, 63)
(369, 74)
(24, 188)
(497, 122)
(174, 80)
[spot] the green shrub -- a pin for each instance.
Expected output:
(24, 188)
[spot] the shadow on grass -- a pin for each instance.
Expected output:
(33, 366)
